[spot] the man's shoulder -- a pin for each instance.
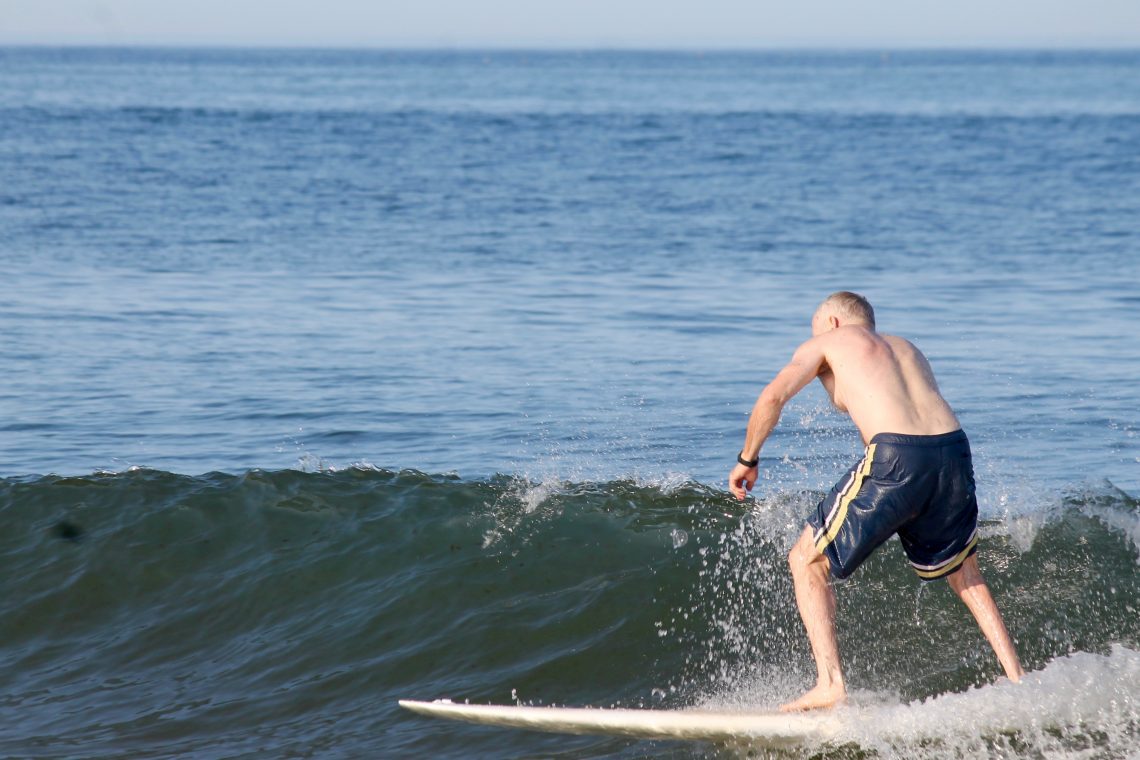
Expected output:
(863, 340)
(897, 342)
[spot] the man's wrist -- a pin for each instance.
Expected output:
(746, 462)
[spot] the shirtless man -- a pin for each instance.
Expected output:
(915, 479)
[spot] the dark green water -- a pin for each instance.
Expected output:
(149, 614)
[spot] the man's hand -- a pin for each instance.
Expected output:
(741, 480)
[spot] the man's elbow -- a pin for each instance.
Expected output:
(773, 398)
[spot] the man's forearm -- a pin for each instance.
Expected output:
(765, 415)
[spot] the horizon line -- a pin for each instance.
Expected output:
(612, 46)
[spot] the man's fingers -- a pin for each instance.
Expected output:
(739, 482)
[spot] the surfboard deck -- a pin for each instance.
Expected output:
(764, 728)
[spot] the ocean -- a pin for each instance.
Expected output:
(339, 377)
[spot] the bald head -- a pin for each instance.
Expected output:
(849, 307)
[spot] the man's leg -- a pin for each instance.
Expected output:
(816, 601)
(971, 588)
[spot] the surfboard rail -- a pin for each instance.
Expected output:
(707, 725)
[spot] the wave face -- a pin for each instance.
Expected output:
(283, 613)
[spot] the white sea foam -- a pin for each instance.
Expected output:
(666, 482)
(1081, 705)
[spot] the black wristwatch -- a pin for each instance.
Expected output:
(740, 458)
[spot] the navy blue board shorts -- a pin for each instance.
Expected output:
(919, 486)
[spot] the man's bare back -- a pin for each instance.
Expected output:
(887, 387)
(882, 381)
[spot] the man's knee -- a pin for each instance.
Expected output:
(967, 575)
(795, 563)
(804, 556)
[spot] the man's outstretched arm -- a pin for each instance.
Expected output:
(805, 366)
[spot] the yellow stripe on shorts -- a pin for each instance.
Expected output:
(845, 499)
(950, 564)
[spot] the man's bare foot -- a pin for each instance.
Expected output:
(819, 698)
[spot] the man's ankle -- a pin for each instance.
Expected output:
(831, 683)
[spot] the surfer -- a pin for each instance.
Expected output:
(915, 479)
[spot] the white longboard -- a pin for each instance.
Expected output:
(761, 728)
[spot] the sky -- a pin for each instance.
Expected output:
(705, 24)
